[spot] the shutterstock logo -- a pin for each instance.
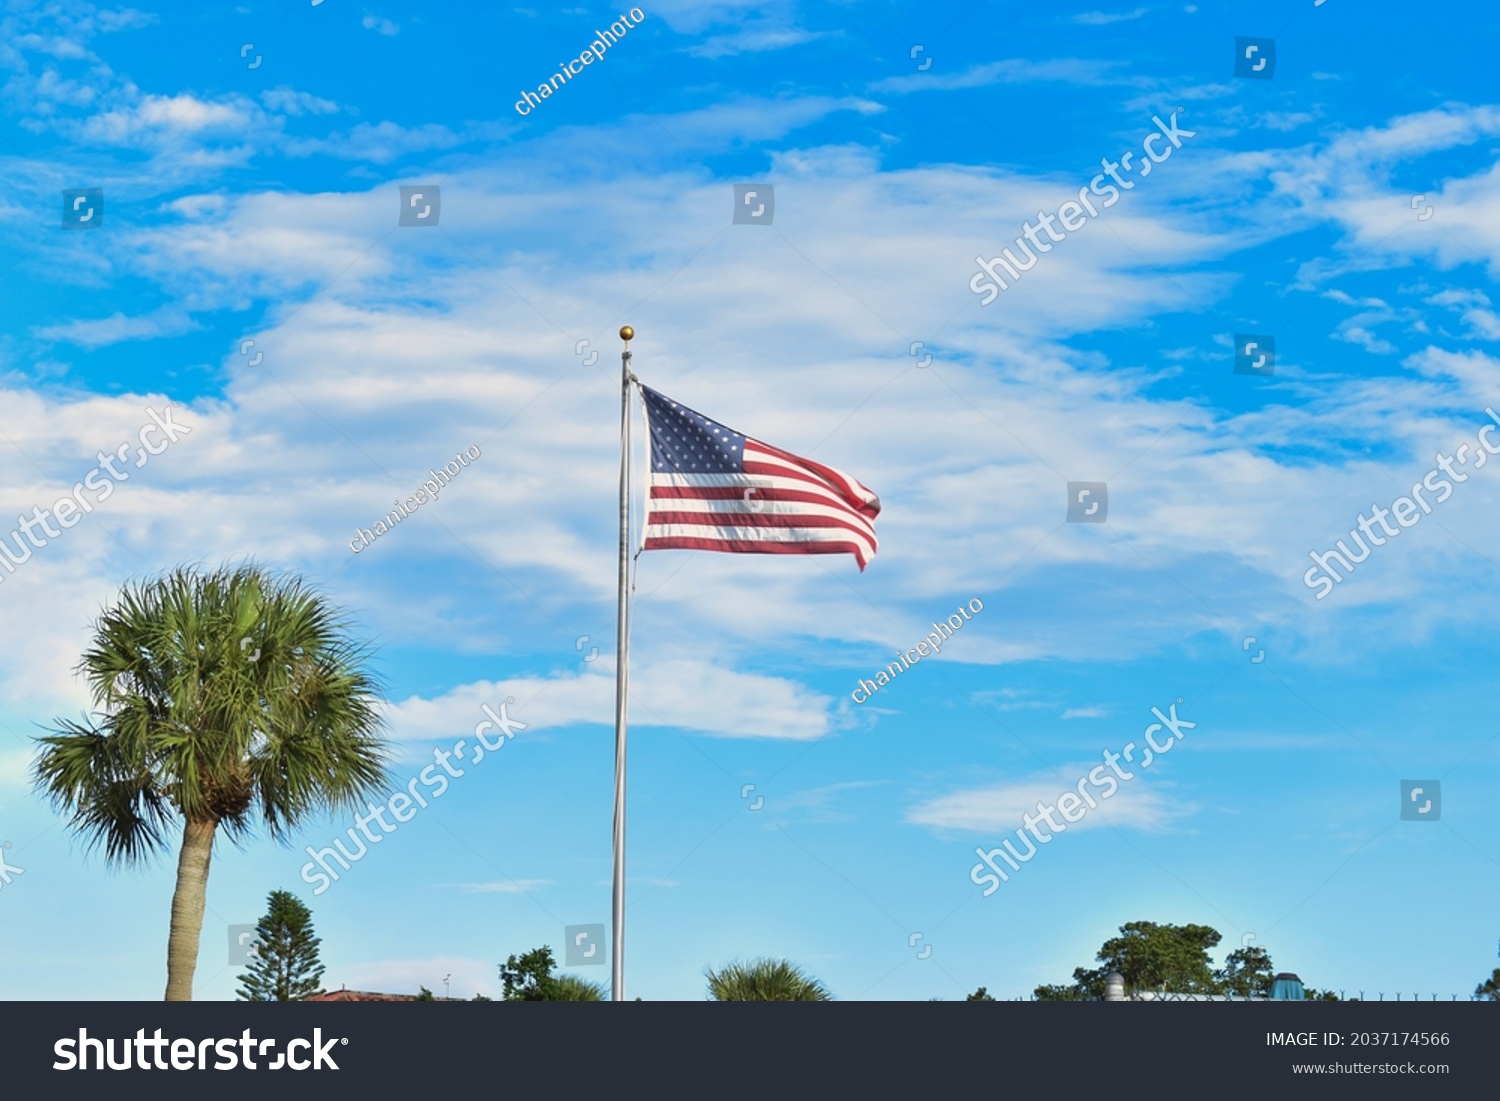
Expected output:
(1421, 800)
(1255, 58)
(83, 208)
(997, 273)
(142, 1053)
(404, 804)
(421, 205)
(1407, 511)
(1074, 804)
(71, 508)
(754, 204)
(584, 945)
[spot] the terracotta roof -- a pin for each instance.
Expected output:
(344, 994)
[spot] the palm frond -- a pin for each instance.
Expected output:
(571, 988)
(108, 787)
(234, 695)
(764, 980)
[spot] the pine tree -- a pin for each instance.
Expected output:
(286, 967)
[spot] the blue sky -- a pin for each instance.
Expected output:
(1346, 207)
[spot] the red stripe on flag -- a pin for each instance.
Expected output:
(744, 546)
(752, 520)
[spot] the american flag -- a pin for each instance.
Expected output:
(713, 488)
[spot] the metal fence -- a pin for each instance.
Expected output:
(1344, 996)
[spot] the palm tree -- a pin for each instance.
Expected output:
(193, 726)
(764, 980)
(570, 988)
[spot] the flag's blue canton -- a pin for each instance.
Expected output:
(685, 442)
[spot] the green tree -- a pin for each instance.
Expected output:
(286, 967)
(980, 995)
(424, 995)
(1175, 958)
(1489, 990)
(1149, 957)
(1247, 973)
(192, 727)
(529, 978)
(764, 980)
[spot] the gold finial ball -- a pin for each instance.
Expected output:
(627, 334)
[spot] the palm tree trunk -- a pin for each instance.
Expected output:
(187, 908)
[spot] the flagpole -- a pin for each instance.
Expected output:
(622, 678)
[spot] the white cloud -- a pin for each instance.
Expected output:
(756, 38)
(1340, 296)
(50, 86)
(816, 805)
(1474, 308)
(861, 263)
(1355, 331)
(126, 19)
(65, 49)
(381, 142)
(379, 25)
(1286, 121)
(1474, 371)
(289, 101)
(736, 120)
(164, 114)
(167, 321)
(1349, 182)
(694, 16)
(505, 887)
(998, 810)
(265, 244)
(1103, 18)
(1010, 71)
(686, 693)
(1085, 713)
(188, 113)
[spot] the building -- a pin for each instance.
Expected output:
(1286, 987)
